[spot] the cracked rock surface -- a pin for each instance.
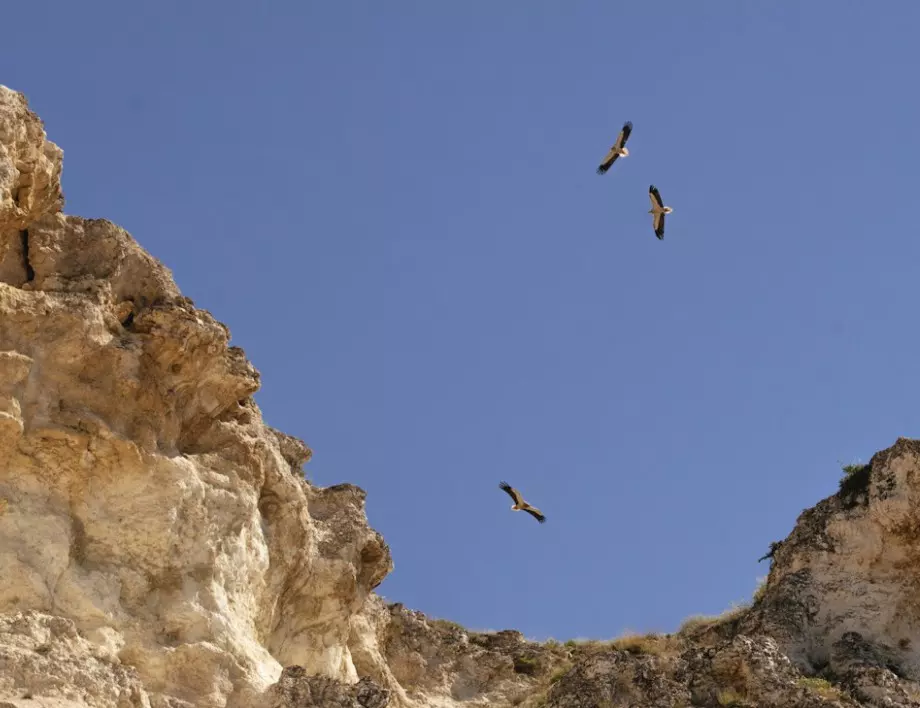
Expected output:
(159, 546)
(145, 505)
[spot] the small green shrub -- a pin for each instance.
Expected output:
(855, 478)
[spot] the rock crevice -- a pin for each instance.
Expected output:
(26, 264)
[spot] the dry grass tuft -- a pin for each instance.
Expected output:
(654, 644)
(760, 590)
(649, 644)
(446, 625)
(693, 624)
(560, 672)
(821, 687)
(588, 646)
(730, 698)
(736, 676)
(698, 623)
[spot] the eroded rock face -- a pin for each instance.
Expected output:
(852, 565)
(45, 656)
(159, 546)
(298, 689)
(618, 679)
(30, 165)
(435, 663)
(836, 624)
(30, 181)
(143, 498)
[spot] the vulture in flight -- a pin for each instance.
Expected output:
(618, 149)
(520, 504)
(657, 211)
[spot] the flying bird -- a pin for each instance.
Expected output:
(618, 149)
(520, 504)
(657, 211)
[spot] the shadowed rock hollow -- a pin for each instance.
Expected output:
(160, 547)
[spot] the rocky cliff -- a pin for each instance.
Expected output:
(160, 547)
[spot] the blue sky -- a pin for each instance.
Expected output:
(394, 208)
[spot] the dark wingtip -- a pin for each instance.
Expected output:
(601, 171)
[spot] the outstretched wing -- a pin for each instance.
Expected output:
(609, 159)
(614, 153)
(659, 225)
(512, 492)
(655, 197)
(535, 513)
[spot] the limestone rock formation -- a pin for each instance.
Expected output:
(430, 662)
(43, 655)
(144, 503)
(298, 689)
(160, 548)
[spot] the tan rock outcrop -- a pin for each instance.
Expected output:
(45, 656)
(30, 165)
(849, 574)
(298, 689)
(30, 180)
(145, 502)
(430, 662)
(160, 547)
